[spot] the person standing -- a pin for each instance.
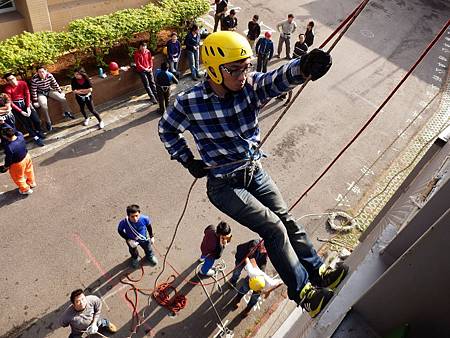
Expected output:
(17, 160)
(300, 48)
(164, 80)
(222, 115)
(173, 53)
(254, 30)
(84, 315)
(6, 114)
(82, 88)
(144, 66)
(264, 52)
(286, 28)
(43, 87)
(22, 108)
(192, 42)
(214, 241)
(230, 21)
(309, 34)
(136, 230)
(221, 8)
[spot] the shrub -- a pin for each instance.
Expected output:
(96, 35)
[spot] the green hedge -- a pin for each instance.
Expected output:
(96, 35)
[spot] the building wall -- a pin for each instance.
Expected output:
(64, 11)
(38, 15)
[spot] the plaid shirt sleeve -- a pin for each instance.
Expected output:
(171, 126)
(276, 82)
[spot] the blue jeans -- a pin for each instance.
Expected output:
(146, 245)
(193, 60)
(207, 264)
(261, 208)
(246, 288)
(102, 323)
(173, 67)
(237, 273)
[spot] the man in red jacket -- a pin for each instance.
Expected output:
(144, 66)
(214, 241)
(22, 108)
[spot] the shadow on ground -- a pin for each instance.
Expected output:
(96, 141)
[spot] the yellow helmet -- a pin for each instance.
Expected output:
(223, 47)
(257, 283)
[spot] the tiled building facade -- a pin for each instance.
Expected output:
(17, 16)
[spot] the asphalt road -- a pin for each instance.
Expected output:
(64, 236)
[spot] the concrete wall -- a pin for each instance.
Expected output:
(11, 24)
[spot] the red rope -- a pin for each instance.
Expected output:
(162, 296)
(424, 53)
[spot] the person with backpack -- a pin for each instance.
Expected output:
(164, 79)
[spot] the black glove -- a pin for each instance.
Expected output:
(315, 63)
(3, 169)
(196, 168)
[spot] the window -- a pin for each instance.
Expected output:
(7, 6)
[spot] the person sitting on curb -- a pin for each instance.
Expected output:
(6, 114)
(44, 86)
(214, 241)
(22, 108)
(83, 315)
(257, 281)
(136, 230)
(17, 160)
(164, 79)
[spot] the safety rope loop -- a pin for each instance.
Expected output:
(379, 109)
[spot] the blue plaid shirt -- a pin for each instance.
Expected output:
(224, 129)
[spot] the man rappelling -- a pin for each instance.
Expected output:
(222, 115)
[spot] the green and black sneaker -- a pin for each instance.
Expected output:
(314, 299)
(330, 278)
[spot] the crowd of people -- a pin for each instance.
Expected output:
(221, 113)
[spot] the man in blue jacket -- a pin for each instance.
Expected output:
(136, 230)
(264, 50)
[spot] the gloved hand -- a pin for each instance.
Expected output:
(315, 63)
(93, 328)
(3, 169)
(36, 105)
(196, 168)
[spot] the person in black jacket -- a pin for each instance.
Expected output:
(309, 34)
(230, 21)
(221, 8)
(82, 88)
(254, 30)
(301, 48)
(164, 79)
